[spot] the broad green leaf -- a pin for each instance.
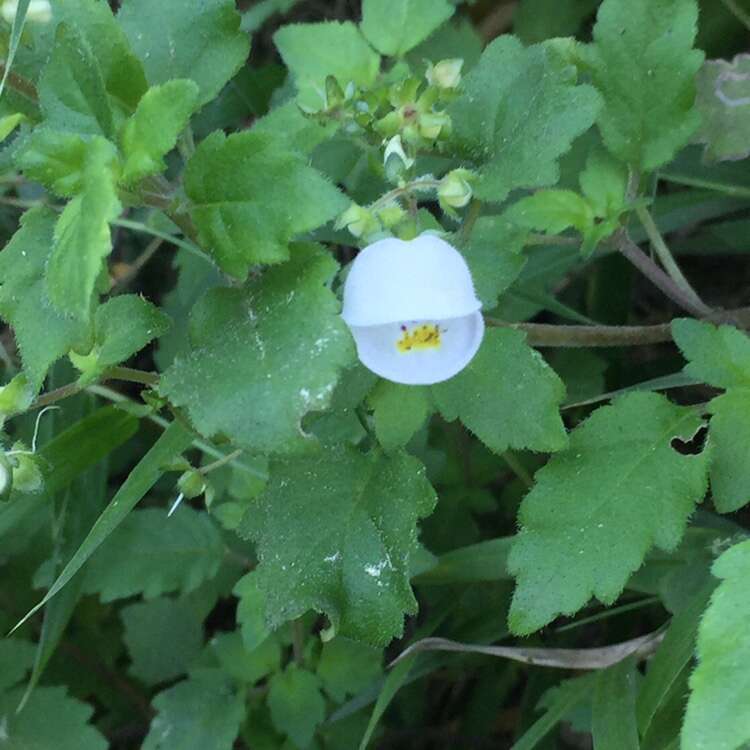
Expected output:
(121, 70)
(82, 237)
(600, 506)
(507, 396)
(152, 131)
(719, 356)
(644, 65)
(244, 664)
(348, 667)
(196, 39)
(493, 252)
(141, 479)
(730, 438)
(399, 411)
(255, 16)
(42, 333)
(16, 658)
(153, 554)
(251, 611)
(163, 637)
(282, 344)
(348, 556)
(717, 715)
(502, 119)
(553, 211)
(314, 51)
(203, 712)
(50, 719)
(297, 706)
(300, 133)
(394, 27)
(72, 93)
(724, 104)
(122, 326)
(56, 159)
(251, 195)
(613, 708)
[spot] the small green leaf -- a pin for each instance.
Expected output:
(251, 195)
(297, 706)
(122, 326)
(9, 123)
(348, 667)
(43, 334)
(717, 715)
(196, 39)
(49, 719)
(502, 118)
(153, 554)
(553, 211)
(204, 712)
(604, 182)
(643, 63)
(82, 236)
(314, 51)
(56, 159)
(243, 664)
(719, 356)
(600, 506)
(399, 410)
(508, 396)
(350, 557)
(163, 637)
(394, 27)
(723, 99)
(283, 344)
(152, 131)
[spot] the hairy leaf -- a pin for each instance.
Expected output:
(598, 507)
(399, 410)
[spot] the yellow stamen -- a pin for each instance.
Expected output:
(426, 336)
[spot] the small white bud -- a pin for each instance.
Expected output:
(395, 160)
(39, 11)
(454, 190)
(446, 74)
(412, 309)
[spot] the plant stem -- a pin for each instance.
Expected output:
(411, 187)
(737, 12)
(551, 239)
(659, 278)
(20, 84)
(208, 468)
(544, 335)
(472, 214)
(518, 469)
(666, 257)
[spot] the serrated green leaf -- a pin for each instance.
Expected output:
(717, 715)
(152, 554)
(196, 39)
(399, 411)
(56, 159)
(717, 355)
(644, 65)
(348, 667)
(395, 27)
(314, 51)
(282, 343)
(163, 637)
(72, 93)
(82, 237)
(730, 438)
(493, 253)
(121, 70)
(122, 326)
(723, 99)
(297, 706)
(16, 659)
(350, 558)
(604, 182)
(251, 611)
(251, 195)
(152, 131)
(507, 396)
(50, 719)
(42, 333)
(202, 713)
(502, 119)
(598, 507)
(552, 211)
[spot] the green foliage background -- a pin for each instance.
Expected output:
(227, 529)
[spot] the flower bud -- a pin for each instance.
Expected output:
(454, 190)
(412, 309)
(432, 124)
(446, 74)
(395, 160)
(39, 11)
(191, 484)
(358, 220)
(390, 215)
(27, 476)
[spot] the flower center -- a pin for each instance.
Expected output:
(425, 336)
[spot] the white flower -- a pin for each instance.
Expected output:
(39, 11)
(446, 74)
(412, 310)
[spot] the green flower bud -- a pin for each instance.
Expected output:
(446, 74)
(395, 160)
(391, 215)
(433, 124)
(15, 396)
(358, 220)
(334, 93)
(27, 475)
(454, 190)
(191, 484)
